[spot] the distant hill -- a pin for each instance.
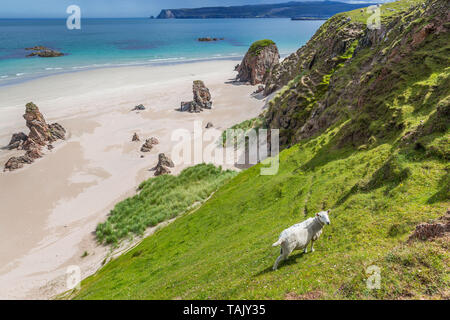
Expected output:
(318, 9)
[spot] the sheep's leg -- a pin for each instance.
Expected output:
(282, 256)
(275, 266)
(312, 245)
(305, 250)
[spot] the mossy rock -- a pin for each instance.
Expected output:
(257, 46)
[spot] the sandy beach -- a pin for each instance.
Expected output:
(49, 209)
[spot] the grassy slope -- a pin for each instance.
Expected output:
(377, 192)
(224, 249)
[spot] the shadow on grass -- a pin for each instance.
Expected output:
(289, 261)
(444, 193)
(389, 175)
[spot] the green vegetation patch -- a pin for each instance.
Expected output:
(161, 198)
(257, 46)
(255, 123)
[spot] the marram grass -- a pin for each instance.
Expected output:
(159, 199)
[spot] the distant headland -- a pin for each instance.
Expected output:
(296, 10)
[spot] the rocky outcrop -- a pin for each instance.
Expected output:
(431, 231)
(43, 52)
(41, 135)
(39, 130)
(17, 141)
(160, 170)
(135, 137)
(34, 153)
(139, 107)
(259, 90)
(57, 132)
(166, 14)
(15, 163)
(260, 58)
(209, 39)
(164, 163)
(164, 160)
(202, 98)
(344, 70)
(148, 145)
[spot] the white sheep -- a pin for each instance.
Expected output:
(298, 236)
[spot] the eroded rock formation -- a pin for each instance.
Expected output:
(148, 145)
(41, 134)
(135, 137)
(202, 98)
(260, 58)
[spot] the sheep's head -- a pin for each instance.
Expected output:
(323, 217)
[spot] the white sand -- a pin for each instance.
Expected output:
(49, 209)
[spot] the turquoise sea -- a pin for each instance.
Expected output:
(124, 42)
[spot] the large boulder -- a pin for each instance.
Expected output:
(139, 107)
(160, 170)
(164, 163)
(202, 98)
(190, 106)
(43, 52)
(15, 163)
(148, 145)
(260, 58)
(135, 137)
(164, 160)
(17, 141)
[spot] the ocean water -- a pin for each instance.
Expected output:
(124, 42)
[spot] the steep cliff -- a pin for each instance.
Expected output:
(368, 81)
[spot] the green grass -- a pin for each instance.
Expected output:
(245, 126)
(224, 250)
(378, 185)
(161, 198)
(257, 46)
(387, 11)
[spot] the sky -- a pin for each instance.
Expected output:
(114, 8)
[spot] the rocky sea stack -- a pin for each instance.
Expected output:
(260, 58)
(202, 98)
(43, 52)
(41, 134)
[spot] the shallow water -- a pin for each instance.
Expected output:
(119, 42)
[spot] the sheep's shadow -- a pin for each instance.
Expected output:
(289, 261)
